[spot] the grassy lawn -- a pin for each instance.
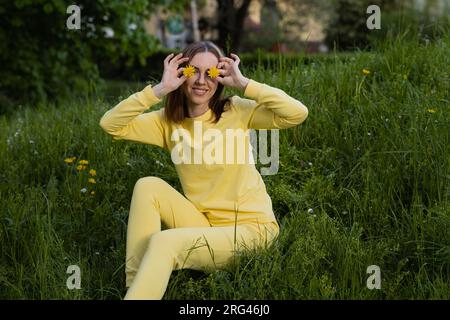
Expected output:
(371, 161)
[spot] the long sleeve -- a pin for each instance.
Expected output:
(269, 107)
(127, 119)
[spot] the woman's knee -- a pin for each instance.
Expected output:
(150, 183)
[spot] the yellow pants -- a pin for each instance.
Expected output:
(189, 242)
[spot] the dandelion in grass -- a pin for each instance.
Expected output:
(83, 162)
(92, 193)
(213, 72)
(189, 71)
(70, 160)
(81, 167)
(92, 172)
(92, 180)
(366, 72)
(432, 110)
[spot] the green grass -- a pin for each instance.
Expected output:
(370, 160)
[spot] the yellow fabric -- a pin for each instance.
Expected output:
(190, 242)
(225, 206)
(217, 190)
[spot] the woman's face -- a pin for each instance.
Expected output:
(200, 87)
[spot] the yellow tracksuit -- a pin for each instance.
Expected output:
(226, 206)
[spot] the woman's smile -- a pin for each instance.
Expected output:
(199, 91)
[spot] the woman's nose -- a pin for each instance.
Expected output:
(201, 78)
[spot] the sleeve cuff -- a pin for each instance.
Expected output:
(149, 95)
(253, 88)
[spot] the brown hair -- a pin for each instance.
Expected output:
(175, 106)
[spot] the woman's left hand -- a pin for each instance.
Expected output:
(231, 76)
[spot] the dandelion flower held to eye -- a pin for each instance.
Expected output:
(213, 72)
(366, 72)
(189, 71)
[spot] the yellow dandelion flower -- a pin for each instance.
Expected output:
(432, 110)
(92, 172)
(92, 192)
(81, 167)
(83, 162)
(69, 160)
(92, 180)
(366, 72)
(213, 72)
(189, 71)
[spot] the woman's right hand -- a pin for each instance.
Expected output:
(171, 79)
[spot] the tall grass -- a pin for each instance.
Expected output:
(371, 161)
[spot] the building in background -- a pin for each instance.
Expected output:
(281, 25)
(175, 30)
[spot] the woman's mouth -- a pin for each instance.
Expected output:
(199, 91)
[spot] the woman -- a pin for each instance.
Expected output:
(226, 206)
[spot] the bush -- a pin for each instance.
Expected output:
(348, 30)
(41, 59)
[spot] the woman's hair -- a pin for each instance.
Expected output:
(175, 106)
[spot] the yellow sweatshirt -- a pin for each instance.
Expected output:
(224, 188)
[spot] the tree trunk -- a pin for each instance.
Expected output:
(195, 30)
(230, 24)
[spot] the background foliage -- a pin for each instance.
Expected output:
(364, 180)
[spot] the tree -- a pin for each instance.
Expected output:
(348, 29)
(231, 17)
(41, 58)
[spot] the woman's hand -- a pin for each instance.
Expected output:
(171, 79)
(232, 76)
